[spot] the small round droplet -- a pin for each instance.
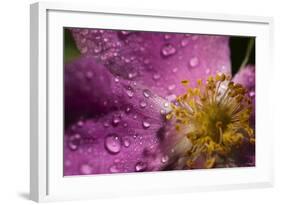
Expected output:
(132, 75)
(171, 87)
(168, 50)
(116, 79)
(143, 104)
(114, 169)
(80, 123)
(156, 76)
(145, 124)
(130, 93)
(85, 169)
(89, 75)
(128, 109)
(193, 61)
(146, 93)
(74, 142)
(166, 104)
(252, 93)
(175, 70)
(115, 121)
(125, 124)
(113, 143)
(126, 142)
(167, 36)
(164, 159)
(184, 42)
(140, 166)
(106, 124)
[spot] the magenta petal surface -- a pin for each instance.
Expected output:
(246, 77)
(91, 90)
(117, 142)
(157, 60)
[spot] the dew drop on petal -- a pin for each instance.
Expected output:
(193, 61)
(252, 94)
(106, 124)
(184, 42)
(74, 142)
(114, 169)
(146, 93)
(145, 124)
(156, 76)
(175, 70)
(113, 143)
(143, 104)
(168, 50)
(89, 75)
(171, 87)
(126, 142)
(140, 166)
(164, 159)
(85, 169)
(128, 109)
(167, 36)
(115, 120)
(130, 93)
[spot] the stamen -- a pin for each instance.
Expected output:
(219, 117)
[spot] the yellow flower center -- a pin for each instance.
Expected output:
(214, 116)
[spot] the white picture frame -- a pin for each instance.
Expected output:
(46, 43)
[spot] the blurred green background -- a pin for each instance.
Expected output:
(238, 47)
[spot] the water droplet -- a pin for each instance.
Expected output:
(125, 32)
(184, 42)
(128, 109)
(140, 166)
(167, 36)
(80, 123)
(164, 159)
(125, 124)
(115, 120)
(208, 71)
(146, 61)
(146, 93)
(145, 124)
(106, 124)
(132, 75)
(74, 142)
(166, 104)
(143, 104)
(175, 70)
(252, 94)
(130, 92)
(113, 143)
(171, 87)
(114, 169)
(126, 142)
(116, 79)
(85, 169)
(135, 116)
(156, 76)
(162, 112)
(193, 61)
(89, 75)
(168, 50)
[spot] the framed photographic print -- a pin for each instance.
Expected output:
(127, 102)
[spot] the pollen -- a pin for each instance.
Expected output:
(214, 116)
